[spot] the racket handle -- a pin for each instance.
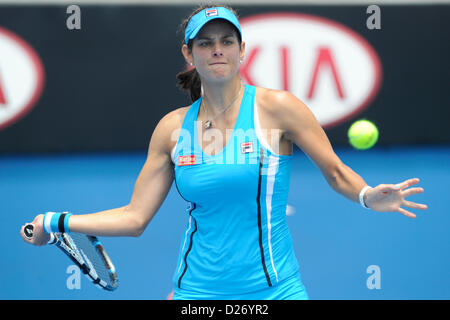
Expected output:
(28, 232)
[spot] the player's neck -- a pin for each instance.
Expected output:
(217, 96)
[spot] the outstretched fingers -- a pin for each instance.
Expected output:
(414, 205)
(412, 191)
(406, 213)
(408, 183)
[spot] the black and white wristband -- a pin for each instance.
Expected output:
(361, 196)
(56, 222)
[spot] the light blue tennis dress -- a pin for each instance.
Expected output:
(237, 244)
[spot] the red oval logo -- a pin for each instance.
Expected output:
(21, 78)
(330, 67)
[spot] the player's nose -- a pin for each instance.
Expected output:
(217, 51)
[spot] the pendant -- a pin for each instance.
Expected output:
(208, 124)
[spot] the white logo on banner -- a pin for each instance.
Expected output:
(331, 68)
(21, 78)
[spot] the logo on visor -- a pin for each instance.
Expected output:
(211, 13)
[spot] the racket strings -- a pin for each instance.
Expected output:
(93, 258)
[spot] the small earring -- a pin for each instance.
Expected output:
(191, 64)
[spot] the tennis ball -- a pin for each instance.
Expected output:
(362, 134)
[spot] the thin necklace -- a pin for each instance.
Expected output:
(208, 123)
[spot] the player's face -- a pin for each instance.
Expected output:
(216, 51)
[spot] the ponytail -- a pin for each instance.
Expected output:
(190, 81)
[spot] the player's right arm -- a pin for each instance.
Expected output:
(150, 190)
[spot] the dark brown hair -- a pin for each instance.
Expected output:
(189, 80)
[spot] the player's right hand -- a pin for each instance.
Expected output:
(39, 238)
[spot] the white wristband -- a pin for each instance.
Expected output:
(361, 196)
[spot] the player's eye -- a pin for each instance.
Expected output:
(204, 43)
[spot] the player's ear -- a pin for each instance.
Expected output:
(187, 54)
(242, 54)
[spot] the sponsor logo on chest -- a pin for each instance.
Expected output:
(186, 160)
(247, 147)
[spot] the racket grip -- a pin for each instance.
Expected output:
(28, 232)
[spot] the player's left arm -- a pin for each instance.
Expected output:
(299, 125)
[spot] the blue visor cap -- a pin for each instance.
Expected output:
(205, 16)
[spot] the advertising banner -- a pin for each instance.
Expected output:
(100, 77)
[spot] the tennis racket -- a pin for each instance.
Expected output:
(87, 253)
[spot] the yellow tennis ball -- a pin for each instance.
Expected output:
(362, 134)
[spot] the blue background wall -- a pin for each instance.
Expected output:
(335, 240)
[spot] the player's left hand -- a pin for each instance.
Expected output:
(391, 197)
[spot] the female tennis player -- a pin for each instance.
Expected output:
(230, 154)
